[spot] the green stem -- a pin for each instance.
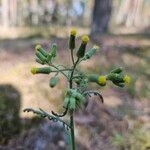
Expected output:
(73, 69)
(59, 70)
(72, 131)
(72, 56)
(71, 113)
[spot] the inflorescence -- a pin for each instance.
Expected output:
(76, 92)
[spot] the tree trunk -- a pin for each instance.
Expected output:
(5, 13)
(13, 12)
(101, 16)
(130, 13)
(34, 7)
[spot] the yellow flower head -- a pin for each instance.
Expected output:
(73, 32)
(102, 80)
(85, 38)
(34, 70)
(126, 79)
(38, 46)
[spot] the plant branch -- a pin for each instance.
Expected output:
(44, 114)
(59, 70)
(60, 115)
(73, 69)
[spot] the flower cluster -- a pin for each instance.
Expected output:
(116, 76)
(72, 74)
(78, 81)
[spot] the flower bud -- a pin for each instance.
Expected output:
(53, 50)
(90, 53)
(44, 70)
(41, 50)
(39, 61)
(85, 39)
(72, 39)
(117, 70)
(52, 53)
(80, 97)
(82, 47)
(114, 77)
(66, 101)
(49, 58)
(40, 56)
(53, 81)
(101, 80)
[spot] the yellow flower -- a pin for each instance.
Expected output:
(73, 32)
(38, 46)
(126, 79)
(102, 80)
(34, 70)
(85, 38)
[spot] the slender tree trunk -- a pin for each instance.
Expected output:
(101, 16)
(130, 13)
(54, 18)
(5, 13)
(34, 6)
(124, 10)
(138, 13)
(13, 12)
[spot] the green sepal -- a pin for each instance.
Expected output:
(39, 61)
(66, 101)
(119, 84)
(53, 50)
(53, 82)
(49, 58)
(117, 70)
(72, 42)
(90, 53)
(40, 56)
(93, 78)
(44, 70)
(72, 104)
(80, 97)
(115, 77)
(42, 51)
(81, 51)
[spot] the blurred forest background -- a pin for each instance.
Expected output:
(122, 30)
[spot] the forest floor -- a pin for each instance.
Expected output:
(122, 122)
